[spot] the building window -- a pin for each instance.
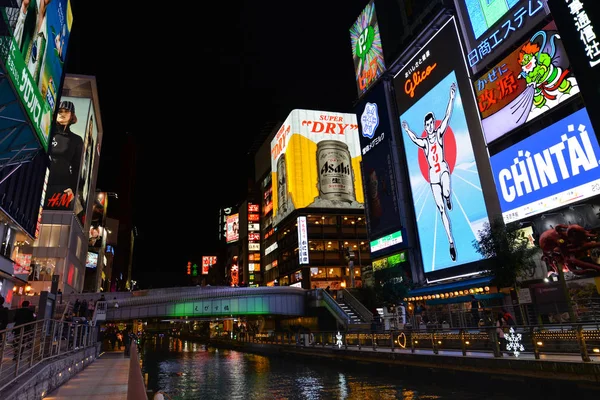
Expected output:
(326, 273)
(332, 245)
(316, 245)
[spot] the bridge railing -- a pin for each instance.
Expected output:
(560, 342)
(25, 346)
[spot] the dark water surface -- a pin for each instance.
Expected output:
(187, 370)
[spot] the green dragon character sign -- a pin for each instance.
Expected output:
(538, 69)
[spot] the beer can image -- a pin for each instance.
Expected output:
(282, 190)
(336, 176)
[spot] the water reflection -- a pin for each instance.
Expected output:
(186, 370)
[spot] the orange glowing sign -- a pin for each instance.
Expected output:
(417, 77)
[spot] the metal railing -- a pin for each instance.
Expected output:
(25, 346)
(331, 304)
(556, 342)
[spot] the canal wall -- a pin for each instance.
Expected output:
(580, 374)
(49, 375)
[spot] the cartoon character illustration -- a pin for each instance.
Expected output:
(542, 71)
(530, 81)
(439, 171)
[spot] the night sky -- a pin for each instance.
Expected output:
(194, 86)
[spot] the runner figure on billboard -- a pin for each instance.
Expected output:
(439, 172)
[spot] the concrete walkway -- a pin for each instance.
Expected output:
(106, 379)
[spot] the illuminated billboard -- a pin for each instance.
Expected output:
(232, 233)
(98, 221)
(366, 49)
(529, 82)
(433, 94)
(579, 24)
(553, 168)
(492, 27)
(207, 263)
(34, 56)
(378, 166)
(92, 260)
(315, 162)
(91, 149)
(70, 157)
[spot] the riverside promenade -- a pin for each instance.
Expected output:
(106, 378)
(565, 368)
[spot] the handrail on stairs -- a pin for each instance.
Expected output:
(356, 305)
(332, 305)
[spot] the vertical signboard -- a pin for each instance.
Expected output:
(492, 27)
(34, 56)
(578, 22)
(91, 148)
(366, 49)
(302, 241)
(553, 168)
(529, 82)
(66, 152)
(207, 263)
(433, 91)
(232, 233)
(377, 147)
(315, 162)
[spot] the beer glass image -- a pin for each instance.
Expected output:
(282, 191)
(375, 210)
(336, 176)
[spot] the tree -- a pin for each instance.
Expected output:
(507, 252)
(391, 285)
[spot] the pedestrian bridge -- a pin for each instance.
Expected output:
(193, 302)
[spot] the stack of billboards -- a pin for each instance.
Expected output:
(473, 131)
(253, 242)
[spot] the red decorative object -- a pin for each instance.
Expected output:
(568, 245)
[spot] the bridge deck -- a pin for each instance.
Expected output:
(106, 379)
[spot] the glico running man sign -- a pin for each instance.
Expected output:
(434, 96)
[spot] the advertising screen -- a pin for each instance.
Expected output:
(366, 48)
(555, 167)
(207, 262)
(91, 148)
(232, 232)
(492, 27)
(529, 82)
(35, 54)
(98, 221)
(91, 260)
(315, 162)
(68, 159)
(579, 24)
(377, 147)
(433, 92)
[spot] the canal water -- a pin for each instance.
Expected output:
(188, 370)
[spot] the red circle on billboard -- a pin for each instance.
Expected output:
(449, 151)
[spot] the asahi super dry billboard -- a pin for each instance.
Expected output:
(315, 162)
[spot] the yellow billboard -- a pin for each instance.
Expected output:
(315, 162)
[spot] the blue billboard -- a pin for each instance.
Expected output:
(553, 168)
(444, 179)
(382, 209)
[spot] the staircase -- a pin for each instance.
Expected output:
(359, 316)
(352, 316)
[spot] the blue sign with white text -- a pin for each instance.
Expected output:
(555, 167)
